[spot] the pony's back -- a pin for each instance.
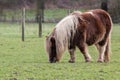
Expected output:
(98, 23)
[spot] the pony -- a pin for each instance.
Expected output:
(81, 29)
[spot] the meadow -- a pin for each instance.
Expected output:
(28, 60)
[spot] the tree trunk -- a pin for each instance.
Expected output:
(40, 9)
(40, 15)
(104, 5)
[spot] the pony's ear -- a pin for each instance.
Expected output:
(46, 36)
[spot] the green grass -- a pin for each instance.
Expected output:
(28, 60)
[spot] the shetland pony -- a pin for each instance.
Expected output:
(81, 30)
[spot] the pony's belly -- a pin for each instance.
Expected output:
(94, 39)
(89, 43)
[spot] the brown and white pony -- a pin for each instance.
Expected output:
(81, 30)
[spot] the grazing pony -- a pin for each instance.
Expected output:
(81, 30)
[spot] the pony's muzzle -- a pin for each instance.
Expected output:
(53, 60)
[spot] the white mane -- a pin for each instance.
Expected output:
(63, 32)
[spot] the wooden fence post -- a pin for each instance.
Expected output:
(23, 23)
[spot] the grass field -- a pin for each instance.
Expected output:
(28, 60)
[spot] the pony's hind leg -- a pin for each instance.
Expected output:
(101, 50)
(107, 52)
(72, 55)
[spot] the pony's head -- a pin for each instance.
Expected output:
(51, 48)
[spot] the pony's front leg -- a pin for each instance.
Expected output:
(72, 55)
(83, 48)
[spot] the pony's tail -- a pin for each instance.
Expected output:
(108, 46)
(108, 50)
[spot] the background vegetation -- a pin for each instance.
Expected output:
(14, 6)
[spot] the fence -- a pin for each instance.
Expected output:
(53, 14)
(10, 15)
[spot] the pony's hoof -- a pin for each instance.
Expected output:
(88, 60)
(100, 61)
(106, 61)
(71, 61)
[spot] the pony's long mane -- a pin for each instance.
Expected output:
(64, 31)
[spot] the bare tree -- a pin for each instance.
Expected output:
(40, 9)
(104, 5)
